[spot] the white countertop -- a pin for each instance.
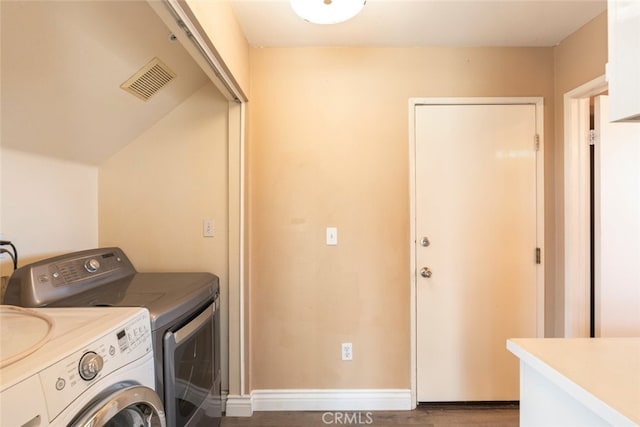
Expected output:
(602, 373)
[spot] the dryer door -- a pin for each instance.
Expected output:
(124, 405)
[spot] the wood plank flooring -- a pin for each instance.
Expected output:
(429, 415)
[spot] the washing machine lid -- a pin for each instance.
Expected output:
(169, 297)
(22, 332)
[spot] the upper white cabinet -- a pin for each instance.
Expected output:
(624, 59)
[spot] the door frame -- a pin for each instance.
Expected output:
(413, 103)
(577, 259)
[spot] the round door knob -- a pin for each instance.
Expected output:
(425, 272)
(90, 365)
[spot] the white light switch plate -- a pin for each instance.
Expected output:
(332, 236)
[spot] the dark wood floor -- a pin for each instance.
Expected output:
(430, 415)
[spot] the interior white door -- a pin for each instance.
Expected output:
(617, 225)
(476, 205)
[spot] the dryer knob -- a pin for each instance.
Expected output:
(90, 365)
(92, 265)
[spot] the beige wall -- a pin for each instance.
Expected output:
(154, 194)
(328, 146)
(579, 59)
(220, 25)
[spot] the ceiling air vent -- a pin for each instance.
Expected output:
(149, 79)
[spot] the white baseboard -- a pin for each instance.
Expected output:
(331, 400)
(238, 406)
(224, 396)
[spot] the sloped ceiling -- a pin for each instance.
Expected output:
(62, 66)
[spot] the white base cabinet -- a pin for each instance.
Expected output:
(623, 69)
(579, 382)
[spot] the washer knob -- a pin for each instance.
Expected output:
(92, 265)
(91, 364)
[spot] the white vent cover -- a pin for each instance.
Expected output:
(149, 79)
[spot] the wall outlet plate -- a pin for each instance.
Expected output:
(347, 351)
(207, 228)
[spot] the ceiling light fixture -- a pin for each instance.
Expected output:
(327, 11)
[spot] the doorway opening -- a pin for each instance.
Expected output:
(579, 212)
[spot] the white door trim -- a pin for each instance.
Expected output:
(577, 259)
(413, 103)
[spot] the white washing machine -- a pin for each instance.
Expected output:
(77, 367)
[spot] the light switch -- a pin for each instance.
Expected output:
(332, 236)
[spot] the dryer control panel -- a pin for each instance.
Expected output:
(68, 378)
(52, 280)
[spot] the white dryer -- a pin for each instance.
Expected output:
(77, 367)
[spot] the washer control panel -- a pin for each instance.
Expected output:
(68, 378)
(91, 364)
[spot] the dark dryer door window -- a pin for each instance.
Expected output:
(189, 370)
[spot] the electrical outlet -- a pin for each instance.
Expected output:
(347, 351)
(207, 228)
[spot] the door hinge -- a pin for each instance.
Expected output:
(536, 141)
(538, 256)
(592, 137)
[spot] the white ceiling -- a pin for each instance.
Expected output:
(272, 23)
